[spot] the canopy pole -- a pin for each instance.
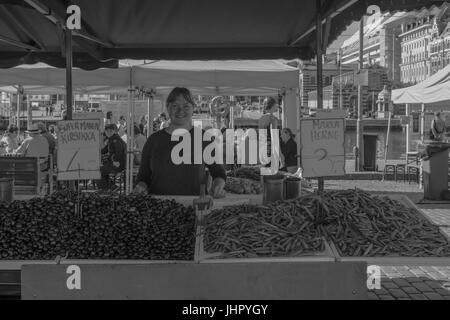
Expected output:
(359, 121)
(321, 182)
(69, 62)
(149, 115)
(387, 143)
(19, 104)
(29, 113)
(422, 122)
(11, 110)
(407, 129)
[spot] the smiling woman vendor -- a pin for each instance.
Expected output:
(158, 174)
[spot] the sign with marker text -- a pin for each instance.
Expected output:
(322, 147)
(79, 149)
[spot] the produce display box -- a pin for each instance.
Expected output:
(398, 260)
(201, 256)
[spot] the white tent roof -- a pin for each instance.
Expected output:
(432, 90)
(241, 77)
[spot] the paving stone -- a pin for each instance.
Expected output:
(389, 285)
(422, 287)
(380, 291)
(401, 282)
(398, 293)
(418, 297)
(410, 290)
(440, 217)
(426, 269)
(443, 292)
(438, 276)
(434, 284)
(414, 279)
(386, 297)
(372, 296)
(433, 296)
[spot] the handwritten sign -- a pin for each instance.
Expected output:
(79, 149)
(322, 147)
(90, 115)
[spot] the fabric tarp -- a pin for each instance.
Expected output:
(177, 29)
(432, 90)
(253, 77)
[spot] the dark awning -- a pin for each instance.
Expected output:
(175, 29)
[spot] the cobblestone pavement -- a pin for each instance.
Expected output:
(408, 282)
(413, 283)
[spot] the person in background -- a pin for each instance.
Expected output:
(139, 143)
(46, 110)
(108, 119)
(64, 115)
(164, 121)
(437, 130)
(52, 131)
(35, 145)
(114, 155)
(10, 139)
(143, 125)
(122, 126)
(50, 139)
(158, 174)
(268, 120)
(288, 151)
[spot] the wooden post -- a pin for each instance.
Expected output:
(359, 124)
(321, 182)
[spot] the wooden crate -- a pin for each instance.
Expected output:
(398, 260)
(201, 256)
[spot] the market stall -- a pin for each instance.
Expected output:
(286, 29)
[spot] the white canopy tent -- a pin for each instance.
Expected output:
(239, 77)
(433, 90)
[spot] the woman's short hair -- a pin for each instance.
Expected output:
(136, 130)
(177, 92)
(12, 128)
(109, 115)
(270, 102)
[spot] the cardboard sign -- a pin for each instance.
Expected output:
(90, 115)
(331, 113)
(322, 147)
(79, 149)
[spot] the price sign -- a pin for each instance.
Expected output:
(79, 149)
(322, 147)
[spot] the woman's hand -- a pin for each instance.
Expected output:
(141, 188)
(217, 188)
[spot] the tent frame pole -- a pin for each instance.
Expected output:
(69, 63)
(408, 112)
(422, 122)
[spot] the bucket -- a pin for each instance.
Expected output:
(6, 189)
(292, 188)
(273, 188)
